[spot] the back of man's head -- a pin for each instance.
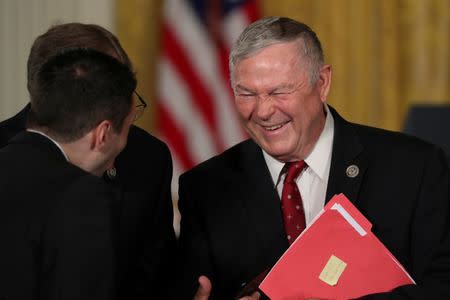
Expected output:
(73, 35)
(77, 89)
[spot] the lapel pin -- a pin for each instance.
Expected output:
(111, 173)
(352, 171)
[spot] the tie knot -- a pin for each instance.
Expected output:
(293, 170)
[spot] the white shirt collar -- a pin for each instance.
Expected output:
(55, 142)
(318, 160)
(320, 157)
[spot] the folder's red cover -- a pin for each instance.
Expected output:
(343, 232)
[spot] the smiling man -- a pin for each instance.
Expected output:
(242, 209)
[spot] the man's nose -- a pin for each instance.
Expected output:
(264, 107)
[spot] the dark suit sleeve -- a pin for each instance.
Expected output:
(147, 240)
(12, 126)
(194, 253)
(158, 256)
(84, 257)
(430, 239)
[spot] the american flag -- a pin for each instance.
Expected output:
(196, 116)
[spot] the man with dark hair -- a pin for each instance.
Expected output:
(141, 174)
(242, 209)
(56, 39)
(57, 220)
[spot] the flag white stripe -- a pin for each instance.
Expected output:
(191, 34)
(233, 25)
(177, 101)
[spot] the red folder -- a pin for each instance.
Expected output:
(336, 257)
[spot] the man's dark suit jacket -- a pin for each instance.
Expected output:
(231, 221)
(146, 239)
(55, 225)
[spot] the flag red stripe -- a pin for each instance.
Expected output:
(251, 10)
(199, 93)
(174, 136)
(223, 52)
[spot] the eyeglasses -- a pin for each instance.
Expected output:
(140, 107)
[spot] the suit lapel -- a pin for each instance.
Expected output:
(348, 162)
(261, 202)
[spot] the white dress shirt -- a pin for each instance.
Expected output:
(313, 180)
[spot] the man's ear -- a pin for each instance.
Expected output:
(101, 135)
(324, 82)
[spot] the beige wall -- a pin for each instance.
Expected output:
(21, 21)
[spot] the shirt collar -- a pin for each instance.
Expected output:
(318, 160)
(320, 157)
(55, 142)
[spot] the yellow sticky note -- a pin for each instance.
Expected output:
(332, 270)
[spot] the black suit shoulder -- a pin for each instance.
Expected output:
(351, 139)
(396, 147)
(47, 172)
(56, 218)
(144, 154)
(387, 138)
(229, 160)
(145, 139)
(10, 127)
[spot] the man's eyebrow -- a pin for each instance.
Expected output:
(243, 88)
(284, 86)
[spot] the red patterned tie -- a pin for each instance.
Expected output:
(291, 202)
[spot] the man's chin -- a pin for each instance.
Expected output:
(277, 153)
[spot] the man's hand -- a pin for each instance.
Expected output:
(254, 296)
(204, 290)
